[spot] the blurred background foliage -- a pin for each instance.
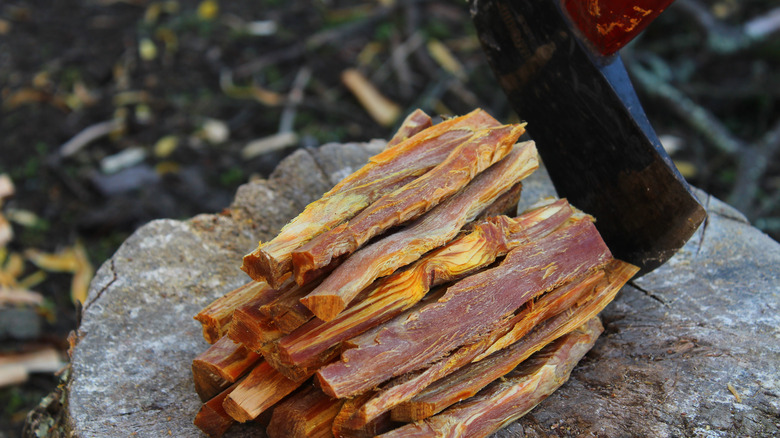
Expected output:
(117, 112)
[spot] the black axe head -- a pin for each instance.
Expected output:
(590, 129)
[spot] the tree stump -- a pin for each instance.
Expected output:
(691, 349)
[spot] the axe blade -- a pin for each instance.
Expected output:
(590, 129)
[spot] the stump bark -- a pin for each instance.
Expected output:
(691, 349)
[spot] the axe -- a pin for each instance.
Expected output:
(557, 62)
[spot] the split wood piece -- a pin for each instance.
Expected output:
(469, 379)
(470, 308)
(251, 328)
(262, 388)
(509, 399)
(286, 311)
(268, 344)
(432, 230)
(343, 428)
(506, 204)
(273, 357)
(216, 317)
(415, 122)
(315, 343)
(214, 421)
(404, 388)
(307, 413)
(484, 148)
(565, 297)
(385, 172)
(398, 393)
(212, 418)
(261, 321)
(208, 384)
(225, 359)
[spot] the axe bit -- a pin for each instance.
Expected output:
(557, 62)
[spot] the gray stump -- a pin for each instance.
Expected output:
(692, 349)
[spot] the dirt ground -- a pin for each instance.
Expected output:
(117, 112)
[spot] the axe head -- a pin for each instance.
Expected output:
(590, 129)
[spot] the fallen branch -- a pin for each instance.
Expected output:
(88, 135)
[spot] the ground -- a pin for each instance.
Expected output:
(175, 91)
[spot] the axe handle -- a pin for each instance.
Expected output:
(610, 24)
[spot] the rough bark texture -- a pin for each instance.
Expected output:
(672, 344)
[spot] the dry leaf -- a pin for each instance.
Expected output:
(214, 131)
(369, 53)
(32, 280)
(79, 286)
(686, 168)
(14, 266)
(165, 146)
(169, 38)
(5, 27)
(734, 393)
(25, 96)
(381, 109)
(146, 49)
(42, 80)
(167, 167)
(6, 232)
(208, 10)
(63, 261)
(11, 267)
(152, 13)
(126, 98)
(171, 6)
(262, 95)
(25, 218)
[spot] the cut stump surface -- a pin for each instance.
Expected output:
(691, 349)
